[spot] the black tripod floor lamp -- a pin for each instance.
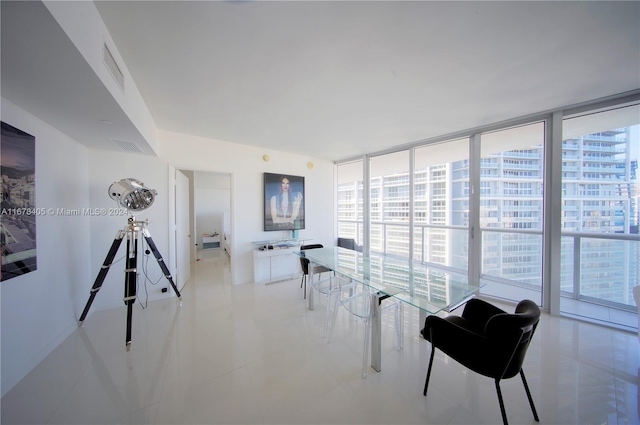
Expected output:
(135, 197)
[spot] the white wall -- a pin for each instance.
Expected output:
(246, 166)
(40, 309)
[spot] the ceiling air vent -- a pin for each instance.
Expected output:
(113, 67)
(127, 146)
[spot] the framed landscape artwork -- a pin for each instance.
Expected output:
(18, 220)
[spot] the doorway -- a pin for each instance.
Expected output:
(212, 213)
(202, 206)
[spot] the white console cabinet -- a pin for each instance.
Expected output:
(277, 263)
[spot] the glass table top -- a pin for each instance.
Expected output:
(428, 288)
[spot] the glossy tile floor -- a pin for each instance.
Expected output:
(252, 354)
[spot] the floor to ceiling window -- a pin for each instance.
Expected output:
(441, 204)
(350, 199)
(600, 244)
(511, 206)
(390, 207)
(476, 203)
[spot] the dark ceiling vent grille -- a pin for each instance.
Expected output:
(127, 146)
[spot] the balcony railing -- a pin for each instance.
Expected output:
(617, 276)
(589, 272)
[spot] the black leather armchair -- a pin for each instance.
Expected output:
(487, 340)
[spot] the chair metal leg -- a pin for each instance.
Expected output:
(526, 388)
(504, 413)
(426, 382)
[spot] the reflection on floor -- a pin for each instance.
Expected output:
(254, 354)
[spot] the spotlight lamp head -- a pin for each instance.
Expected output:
(132, 194)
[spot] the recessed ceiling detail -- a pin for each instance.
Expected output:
(113, 67)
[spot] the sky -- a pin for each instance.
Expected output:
(17, 149)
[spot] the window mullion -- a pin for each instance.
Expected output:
(475, 235)
(366, 207)
(552, 229)
(411, 202)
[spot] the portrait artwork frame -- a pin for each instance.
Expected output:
(284, 202)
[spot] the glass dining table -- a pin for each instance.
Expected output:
(428, 288)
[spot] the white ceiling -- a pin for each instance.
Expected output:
(337, 79)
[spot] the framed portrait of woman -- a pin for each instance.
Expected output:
(283, 202)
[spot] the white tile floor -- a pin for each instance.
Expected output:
(255, 355)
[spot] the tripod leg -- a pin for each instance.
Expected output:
(161, 263)
(102, 274)
(130, 281)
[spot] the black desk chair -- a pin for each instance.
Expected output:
(304, 265)
(487, 340)
(349, 244)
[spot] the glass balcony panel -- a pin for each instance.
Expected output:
(512, 265)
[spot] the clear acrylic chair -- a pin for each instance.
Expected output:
(356, 299)
(329, 287)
